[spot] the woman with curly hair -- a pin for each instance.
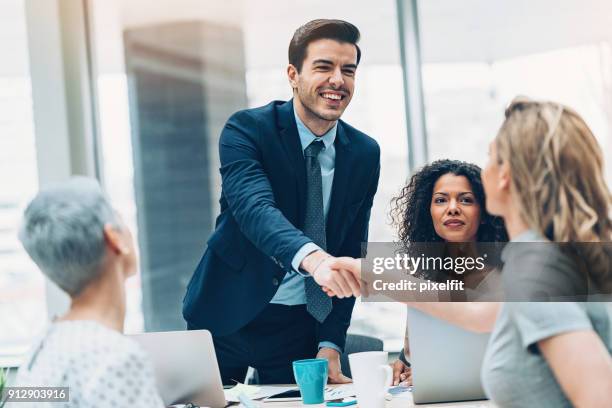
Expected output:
(416, 211)
(445, 202)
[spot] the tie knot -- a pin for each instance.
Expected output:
(314, 148)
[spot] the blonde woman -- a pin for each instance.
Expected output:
(545, 179)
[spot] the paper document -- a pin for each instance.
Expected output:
(343, 391)
(232, 394)
(254, 392)
(400, 392)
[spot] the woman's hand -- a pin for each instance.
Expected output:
(401, 373)
(349, 268)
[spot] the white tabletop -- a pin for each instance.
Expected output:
(404, 401)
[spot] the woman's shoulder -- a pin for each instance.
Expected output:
(112, 367)
(83, 344)
(90, 338)
(540, 320)
(92, 360)
(71, 346)
(541, 271)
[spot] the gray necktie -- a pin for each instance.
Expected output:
(318, 304)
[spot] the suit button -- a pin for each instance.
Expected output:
(275, 281)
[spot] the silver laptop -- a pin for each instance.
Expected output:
(185, 367)
(445, 359)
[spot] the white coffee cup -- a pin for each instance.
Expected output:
(372, 377)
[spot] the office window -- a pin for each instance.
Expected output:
(165, 87)
(476, 60)
(169, 74)
(22, 292)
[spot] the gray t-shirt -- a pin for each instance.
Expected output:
(514, 372)
(537, 270)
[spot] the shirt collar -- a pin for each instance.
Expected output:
(306, 136)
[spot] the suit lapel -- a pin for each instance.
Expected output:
(290, 140)
(342, 173)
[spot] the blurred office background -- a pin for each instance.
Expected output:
(135, 93)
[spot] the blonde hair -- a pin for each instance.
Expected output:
(557, 172)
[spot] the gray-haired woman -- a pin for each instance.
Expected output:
(79, 242)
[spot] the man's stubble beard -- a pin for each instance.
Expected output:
(308, 108)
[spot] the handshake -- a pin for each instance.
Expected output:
(339, 277)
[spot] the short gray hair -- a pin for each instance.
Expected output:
(63, 232)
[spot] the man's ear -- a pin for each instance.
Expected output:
(115, 240)
(292, 74)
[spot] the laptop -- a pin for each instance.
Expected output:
(185, 366)
(445, 359)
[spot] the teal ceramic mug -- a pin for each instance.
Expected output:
(311, 376)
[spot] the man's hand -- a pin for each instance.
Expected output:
(341, 282)
(347, 265)
(334, 371)
(401, 373)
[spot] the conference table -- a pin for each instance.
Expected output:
(398, 402)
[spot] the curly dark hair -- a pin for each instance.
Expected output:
(410, 211)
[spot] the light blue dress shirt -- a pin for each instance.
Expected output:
(291, 290)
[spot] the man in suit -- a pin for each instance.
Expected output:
(298, 186)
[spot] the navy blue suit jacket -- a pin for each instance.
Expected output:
(263, 201)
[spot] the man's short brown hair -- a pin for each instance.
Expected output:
(339, 30)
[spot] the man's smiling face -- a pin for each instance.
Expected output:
(326, 82)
